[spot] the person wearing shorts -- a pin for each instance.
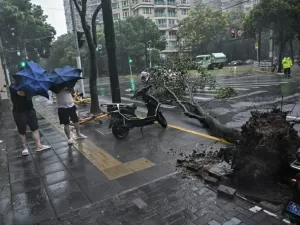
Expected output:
(24, 115)
(67, 112)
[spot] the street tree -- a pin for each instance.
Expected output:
(24, 31)
(202, 26)
(262, 148)
(277, 15)
(133, 37)
(63, 53)
(81, 8)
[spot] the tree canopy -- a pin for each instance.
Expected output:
(204, 25)
(23, 26)
(131, 36)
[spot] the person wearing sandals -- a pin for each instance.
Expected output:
(24, 114)
(66, 111)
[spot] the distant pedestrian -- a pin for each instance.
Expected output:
(24, 114)
(67, 111)
(287, 63)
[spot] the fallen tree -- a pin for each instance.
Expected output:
(264, 146)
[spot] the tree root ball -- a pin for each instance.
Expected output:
(269, 143)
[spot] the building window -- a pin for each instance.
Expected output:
(185, 2)
(172, 22)
(125, 14)
(146, 0)
(184, 12)
(116, 16)
(115, 5)
(147, 11)
(124, 3)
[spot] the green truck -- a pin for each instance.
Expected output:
(211, 61)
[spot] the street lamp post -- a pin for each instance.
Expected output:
(150, 52)
(78, 60)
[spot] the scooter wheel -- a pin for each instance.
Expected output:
(161, 120)
(120, 131)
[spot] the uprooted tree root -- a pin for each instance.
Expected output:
(267, 145)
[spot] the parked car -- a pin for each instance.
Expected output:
(236, 63)
(249, 61)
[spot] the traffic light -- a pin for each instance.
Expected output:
(129, 60)
(22, 64)
(233, 34)
(80, 38)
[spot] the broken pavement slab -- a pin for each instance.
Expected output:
(226, 191)
(220, 169)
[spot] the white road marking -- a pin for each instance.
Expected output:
(246, 95)
(200, 98)
(140, 102)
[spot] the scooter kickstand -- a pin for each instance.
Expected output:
(142, 130)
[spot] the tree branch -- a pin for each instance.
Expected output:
(77, 7)
(94, 24)
(175, 97)
(84, 2)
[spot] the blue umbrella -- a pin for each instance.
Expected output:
(33, 80)
(64, 77)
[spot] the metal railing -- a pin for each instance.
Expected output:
(160, 14)
(172, 14)
(163, 25)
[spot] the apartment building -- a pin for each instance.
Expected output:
(165, 13)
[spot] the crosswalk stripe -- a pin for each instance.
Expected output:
(137, 101)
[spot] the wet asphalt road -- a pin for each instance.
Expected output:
(255, 92)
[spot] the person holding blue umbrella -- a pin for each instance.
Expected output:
(64, 80)
(23, 111)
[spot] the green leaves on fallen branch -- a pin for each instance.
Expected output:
(227, 92)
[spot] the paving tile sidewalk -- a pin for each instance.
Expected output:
(60, 186)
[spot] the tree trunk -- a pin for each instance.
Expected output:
(292, 50)
(281, 52)
(259, 46)
(93, 68)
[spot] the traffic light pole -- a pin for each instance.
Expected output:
(78, 60)
(110, 43)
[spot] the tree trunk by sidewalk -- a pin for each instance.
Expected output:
(93, 67)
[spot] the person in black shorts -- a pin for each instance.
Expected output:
(24, 115)
(67, 111)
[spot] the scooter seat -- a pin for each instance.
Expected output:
(131, 106)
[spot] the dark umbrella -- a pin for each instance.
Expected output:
(33, 80)
(64, 77)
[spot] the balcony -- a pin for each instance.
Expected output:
(171, 3)
(160, 14)
(171, 14)
(159, 3)
(162, 25)
(172, 38)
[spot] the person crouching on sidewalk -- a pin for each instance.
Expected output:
(67, 111)
(24, 114)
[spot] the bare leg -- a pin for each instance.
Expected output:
(77, 128)
(23, 140)
(37, 139)
(67, 131)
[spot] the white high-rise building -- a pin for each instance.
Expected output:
(165, 13)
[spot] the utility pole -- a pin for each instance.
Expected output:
(110, 43)
(6, 72)
(78, 60)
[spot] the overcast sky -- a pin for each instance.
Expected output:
(54, 9)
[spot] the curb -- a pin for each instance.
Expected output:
(266, 72)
